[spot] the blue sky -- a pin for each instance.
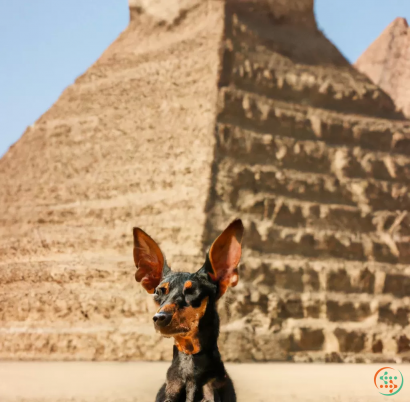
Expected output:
(46, 44)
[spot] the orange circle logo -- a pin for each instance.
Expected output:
(388, 381)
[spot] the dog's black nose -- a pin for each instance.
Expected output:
(162, 319)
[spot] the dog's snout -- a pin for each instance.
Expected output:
(162, 319)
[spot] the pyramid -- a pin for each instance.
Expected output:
(199, 112)
(386, 63)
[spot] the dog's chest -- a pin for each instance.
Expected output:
(187, 375)
(186, 367)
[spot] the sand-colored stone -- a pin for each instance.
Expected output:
(194, 116)
(387, 63)
(129, 144)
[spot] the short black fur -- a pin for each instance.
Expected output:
(194, 371)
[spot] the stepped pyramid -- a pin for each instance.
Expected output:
(387, 63)
(199, 112)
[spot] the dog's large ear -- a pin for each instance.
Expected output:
(149, 260)
(224, 256)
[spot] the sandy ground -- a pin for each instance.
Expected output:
(139, 381)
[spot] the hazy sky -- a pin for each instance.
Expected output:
(46, 44)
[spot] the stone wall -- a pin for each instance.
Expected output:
(222, 109)
(322, 183)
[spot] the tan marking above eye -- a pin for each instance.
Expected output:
(188, 285)
(164, 287)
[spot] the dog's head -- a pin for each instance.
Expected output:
(183, 297)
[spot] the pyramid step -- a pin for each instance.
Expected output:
(282, 63)
(323, 244)
(309, 89)
(74, 272)
(325, 189)
(293, 213)
(328, 270)
(255, 112)
(315, 156)
(314, 278)
(76, 343)
(66, 303)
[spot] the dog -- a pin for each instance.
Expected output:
(187, 312)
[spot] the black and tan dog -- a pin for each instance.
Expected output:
(187, 312)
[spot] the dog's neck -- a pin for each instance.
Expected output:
(204, 338)
(196, 372)
(188, 344)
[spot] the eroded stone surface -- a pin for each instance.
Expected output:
(129, 144)
(304, 157)
(210, 111)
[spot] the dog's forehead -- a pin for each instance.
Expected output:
(177, 279)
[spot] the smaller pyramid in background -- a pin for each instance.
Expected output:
(387, 63)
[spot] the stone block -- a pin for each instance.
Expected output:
(377, 346)
(333, 357)
(304, 243)
(403, 344)
(309, 339)
(289, 278)
(400, 316)
(290, 308)
(350, 341)
(339, 281)
(396, 284)
(383, 253)
(347, 311)
(290, 216)
(312, 309)
(365, 282)
(311, 280)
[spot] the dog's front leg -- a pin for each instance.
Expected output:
(209, 395)
(191, 390)
(173, 390)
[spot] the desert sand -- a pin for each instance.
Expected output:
(139, 381)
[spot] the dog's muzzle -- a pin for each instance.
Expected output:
(161, 320)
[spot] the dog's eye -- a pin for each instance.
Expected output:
(162, 290)
(158, 295)
(195, 303)
(188, 291)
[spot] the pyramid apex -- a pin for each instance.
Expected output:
(293, 12)
(165, 11)
(401, 21)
